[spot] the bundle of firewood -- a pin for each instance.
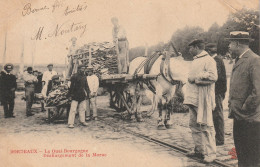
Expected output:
(103, 57)
(58, 96)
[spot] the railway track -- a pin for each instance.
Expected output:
(173, 147)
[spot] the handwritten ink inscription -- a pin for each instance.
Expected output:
(28, 9)
(61, 29)
(44, 32)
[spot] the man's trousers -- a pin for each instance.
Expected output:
(218, 119)
(247, 143)
(93, 102)
(122, 56)
(8, 104)
(203, 135)
(29, 94)
(81, 107)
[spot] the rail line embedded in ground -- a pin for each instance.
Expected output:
(177, 148)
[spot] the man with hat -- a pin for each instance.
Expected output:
(93, 84)
(78, 92)
(47, 75)
(200, 99)
(53, 83)
(30, 81)
(244, 99)
(220, 90)
(121, 44)
(7, 90)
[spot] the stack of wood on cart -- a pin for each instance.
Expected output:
(103, 57)
(58, 96)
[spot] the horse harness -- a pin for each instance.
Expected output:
(164, 70)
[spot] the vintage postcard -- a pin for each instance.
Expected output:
(123, 83)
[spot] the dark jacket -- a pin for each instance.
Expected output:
(78, 87)
(244, 96)
(7, 82)
(221, 83)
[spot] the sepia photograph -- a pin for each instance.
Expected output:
(129, 83)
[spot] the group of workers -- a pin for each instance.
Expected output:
(205, 92)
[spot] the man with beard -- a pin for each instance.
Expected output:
(7, 90)
(244, 100)
(200, 99)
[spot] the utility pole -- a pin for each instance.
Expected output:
(4, 55)
(22, 59)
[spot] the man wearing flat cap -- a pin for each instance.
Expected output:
(78, 92)
(30, 81)
(200, 99)
(7, 90)
(220, 90)
(47, 75)
(244, 99)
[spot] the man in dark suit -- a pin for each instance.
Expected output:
(244, 100)
(220, 91)
(7, 88)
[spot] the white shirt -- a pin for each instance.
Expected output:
(93, 83)
(47, 75)
(118, 32)
(29, 78)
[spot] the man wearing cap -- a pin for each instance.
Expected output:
(121, 44)
(93, 84)
(78, 92)
(220, 90)
(244, 99)
(30, 81)
(200, 98)
(53, 83)
(47, 75)
(7, 90)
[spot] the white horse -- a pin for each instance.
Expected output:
(164, 90)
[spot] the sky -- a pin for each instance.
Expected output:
(145, 21)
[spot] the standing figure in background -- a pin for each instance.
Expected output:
(73, 64)
(7, 90)
(47, 75)
(200, 98)
(93, 84)
(121, 45)
(30, 81)
(220, 91)
(78, 92)
(244, 100)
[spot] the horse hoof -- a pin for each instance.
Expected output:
(161, 127)
(140, 120)
(169, 126)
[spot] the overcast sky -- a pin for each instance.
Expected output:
(145, 21)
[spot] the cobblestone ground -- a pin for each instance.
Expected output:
(114, 147)
(179, 135)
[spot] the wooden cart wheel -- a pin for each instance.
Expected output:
(55, 113)
(120, 100)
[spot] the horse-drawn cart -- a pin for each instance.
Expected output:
(126, 92)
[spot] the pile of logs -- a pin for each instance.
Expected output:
(102, 58)
(58, 96)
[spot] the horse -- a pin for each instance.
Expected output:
(172, 74)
